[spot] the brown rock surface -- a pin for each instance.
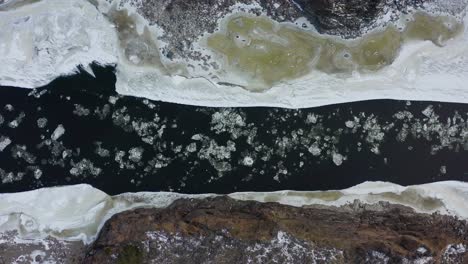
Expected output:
(14, 249)
(223, 230)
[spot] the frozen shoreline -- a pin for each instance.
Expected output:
(78, 212)
(37, 55)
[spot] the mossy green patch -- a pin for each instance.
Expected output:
(130, 254)
(267, 52)
(438, 29)
(139, 49)
(264, 51)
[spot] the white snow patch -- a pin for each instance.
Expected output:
(50, 38)
(449, 197)
(422, 71)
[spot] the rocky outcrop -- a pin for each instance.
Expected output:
(349, 17)
(185, 21)
(21, 249)
(223, 230)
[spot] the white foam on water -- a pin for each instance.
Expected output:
(78, 212)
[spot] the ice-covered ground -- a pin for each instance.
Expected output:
(49, 38)
(46, 39)
(76, 213)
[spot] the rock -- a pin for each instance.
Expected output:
(15, 249)
(333, 15)
(349, 17)
(185, 21)
(223, 230)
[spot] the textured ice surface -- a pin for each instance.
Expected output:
(78, 212)
(421, 71)
(45, 39)
(266, 53)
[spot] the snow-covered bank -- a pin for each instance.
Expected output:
(50, 38)
(74, 212)
(43, 40)
(78, 212)
(421, 71)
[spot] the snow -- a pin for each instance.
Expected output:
(337, 159)
(422, 71)
(448, 197)
(71, 210)
(77, 212)
(51, 38)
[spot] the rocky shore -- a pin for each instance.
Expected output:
(221, 229)
(345, 18)
(224, 230)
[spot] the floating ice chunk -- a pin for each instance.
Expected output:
(443, 169)
(42, 122)
(248, 161)
(421, 250)
(192, 147)
(136, 154)
(338, 159)
(78, 212)
(58, 132)
(55, 211)
(4, 142)
(52, 37)
(349, 124)
(37, 174)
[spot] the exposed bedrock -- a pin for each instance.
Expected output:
(223, 230)
(185, 21)
(349, 17)
(26, 250)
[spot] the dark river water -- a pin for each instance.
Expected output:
(79, 130)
